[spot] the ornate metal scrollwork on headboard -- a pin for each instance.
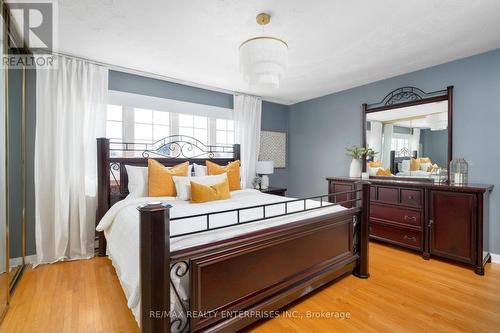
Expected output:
(175, 146)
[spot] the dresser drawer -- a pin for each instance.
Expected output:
(388, 195)
(411, 197)
(396, 214)
(404, 237)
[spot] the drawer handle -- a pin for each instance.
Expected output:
(410, 197)
(410, 218)
(413, 239)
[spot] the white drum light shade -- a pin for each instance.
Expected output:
(263, 60)
(264, 167)
(437, 121)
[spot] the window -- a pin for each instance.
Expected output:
(400, 142)
(129, 124)
(150, 125)
(224, 132)
(114, 122)
(194, 126)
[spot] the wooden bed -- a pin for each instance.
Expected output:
(285, 262)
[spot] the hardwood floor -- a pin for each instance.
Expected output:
(404, 294)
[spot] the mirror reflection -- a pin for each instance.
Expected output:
(411, 142)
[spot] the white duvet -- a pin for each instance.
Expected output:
(121, 228)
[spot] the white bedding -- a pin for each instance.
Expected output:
(121, 228)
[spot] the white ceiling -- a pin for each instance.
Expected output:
(333, 44)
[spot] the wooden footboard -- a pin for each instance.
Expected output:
(237, 281)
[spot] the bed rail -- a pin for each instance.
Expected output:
(157, 263)
(264, 206)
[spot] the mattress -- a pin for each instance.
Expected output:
(121, 229)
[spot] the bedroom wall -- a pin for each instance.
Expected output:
(274, 116)
(320, 129)
(435, 146)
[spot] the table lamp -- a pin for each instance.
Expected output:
(264, 168)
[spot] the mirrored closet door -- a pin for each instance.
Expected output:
(4, 276)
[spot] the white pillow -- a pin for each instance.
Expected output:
(183, 184)
(406, 165)
(373, 171)
(425, 166)
(200, 170)
(137, 181)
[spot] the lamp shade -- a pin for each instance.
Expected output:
(264, 167)
(263, 61)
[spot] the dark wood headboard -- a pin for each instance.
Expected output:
(112, 156)
(398, 157)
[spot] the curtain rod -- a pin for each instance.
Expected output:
(151, 75)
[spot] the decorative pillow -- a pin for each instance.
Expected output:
(233, 173)
(160, 178)
(425, 160)
(199, 170)
(376, 164)
(183, 184)
(137, 181)
(414, 164)
(204, 193)
(406, 164)
(384, 172)
(433, 168)
(373, 171)
(425, 166)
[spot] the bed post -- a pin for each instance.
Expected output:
(103, 188)
(361, 269)
(236, 151)
(154, 241)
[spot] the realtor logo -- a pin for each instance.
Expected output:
(32, 33)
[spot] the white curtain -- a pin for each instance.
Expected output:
(415, 141)
(375, 138)
(70, 113)
(247, 115)
(386, 145)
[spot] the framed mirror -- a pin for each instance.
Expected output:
(411, 131)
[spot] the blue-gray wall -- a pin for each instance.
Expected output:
(435, 146)
(274, 116)
(321, 128)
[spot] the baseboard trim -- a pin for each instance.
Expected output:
(495, 258)
(19, 260)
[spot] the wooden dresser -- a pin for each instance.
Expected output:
(437, 220)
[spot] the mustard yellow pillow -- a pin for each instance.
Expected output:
(376, 164)
(233, 173)
(433, 168)
(204, 193)
(425, 160)
(160, 182)
(384, 172)
(414, 164)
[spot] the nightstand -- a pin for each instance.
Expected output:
(275, 190)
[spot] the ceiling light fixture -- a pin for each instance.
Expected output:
(263, 59)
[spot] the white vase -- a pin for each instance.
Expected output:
(355, 168)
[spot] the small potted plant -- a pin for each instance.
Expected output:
(357, 153)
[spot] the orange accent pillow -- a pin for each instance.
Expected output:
(233, 173)
(384, 172)
(160, 182)
(414, 164)
(204, 193)
(376, 164)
